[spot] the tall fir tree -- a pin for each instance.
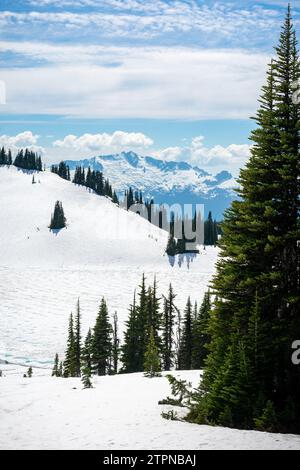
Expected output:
(168, 323)
(200, 336)
(152, 366)
(55, 370)
(58, 219)
(129, 348)
(260, 260)
(70, 357)
(86, 355)
(115, 344)
(142, 331)
(185, 347)
(77, 339)
(102, 342)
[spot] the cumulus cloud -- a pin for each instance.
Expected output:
(24, 139)
(117, 141)
(232, 157)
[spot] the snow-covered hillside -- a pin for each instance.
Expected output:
(168, 182)
(103, 252)
(120, 412)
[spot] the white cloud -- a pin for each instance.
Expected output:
(24, 139)
(147, 19)
(232, 157)
(115, 142)
(145, 82)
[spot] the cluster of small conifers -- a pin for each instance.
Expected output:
(25, 159)
(157, 337)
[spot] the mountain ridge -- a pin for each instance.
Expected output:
(168, 182)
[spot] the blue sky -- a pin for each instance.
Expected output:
(176, 79)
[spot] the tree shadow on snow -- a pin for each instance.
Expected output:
(185, 258)
(56, 231)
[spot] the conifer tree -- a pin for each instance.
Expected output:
(171, 246)
(55, 370)
(130, 348)
(168, 322)
(115, 345)
(102, 342)
(154, 314)
(185, 348)
(58, 220)
(86, 356)
(200, 337)
(70, 359)
(77, 339)
(86, 377)
(260, 260)
(152, 367)
(142, 330)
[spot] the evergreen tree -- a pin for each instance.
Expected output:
(86, 357)
(185, 348)
(154, 314)
(152, 367)
(70, 359)
(200, 337)
(260, 260)
(26, 160)
(29, 372)
(102, 343)
(115, 345)
(171, 246)
(55, 371)
(130, 348)
(168, 322)
(86, 377)
(142, 326)
(58, 220)
(77, 339)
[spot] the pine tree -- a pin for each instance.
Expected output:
(154, 314)
(200, 337)
(86, 378)
(171, 246)
(86, 356)
(260, 260)
(185, 348)
(77, 339)
(130, 348)
(70, 369)
(29, 372)
(55, 371)
(102, 344)
(115, 345)
(168, 322)
(58, 220)
(142, 330)
(152, 367)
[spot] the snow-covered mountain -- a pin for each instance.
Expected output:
(166, 181)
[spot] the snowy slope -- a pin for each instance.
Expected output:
(42, 413)
(103, 252)
(166, 181)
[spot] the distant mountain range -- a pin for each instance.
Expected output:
(166, 181)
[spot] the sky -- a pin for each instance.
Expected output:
(178, 79)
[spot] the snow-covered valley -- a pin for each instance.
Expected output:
(103, 252)
(120, 412)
